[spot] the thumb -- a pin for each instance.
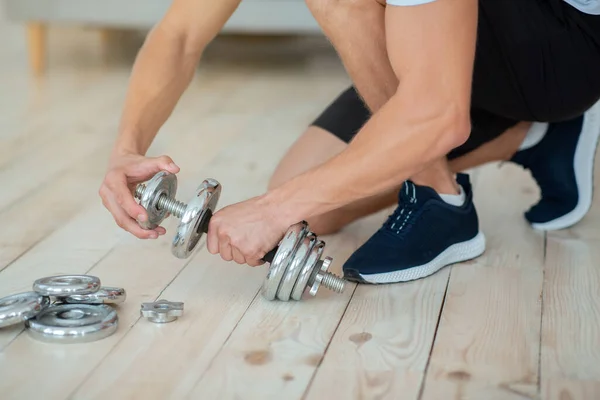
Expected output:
(150, 166)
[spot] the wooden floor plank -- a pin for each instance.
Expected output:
(381, 347)
(128, 266)
(73, 249)
(57, 368)
(216, 293)
(488, 340)
(279, 344)
(571, 324)
(51, 205)
(570, 351)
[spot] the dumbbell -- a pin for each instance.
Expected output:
(295, 264)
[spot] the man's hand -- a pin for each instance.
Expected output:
(246, 231)
(124, 173)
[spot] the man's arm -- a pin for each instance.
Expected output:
(165, 66)
(431, 48)
(162, 71)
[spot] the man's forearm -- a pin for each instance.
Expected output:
(161, 73)
(379, 159)
(165, 66)
(415, 123)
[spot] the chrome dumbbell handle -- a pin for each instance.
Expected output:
(164, 202)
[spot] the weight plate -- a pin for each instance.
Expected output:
(66, 285)
(162, 183)
(293, 237)
(106, 295)
(295, 266)
(19, 307)
(73, 323)
(193, 222)
(309, 266)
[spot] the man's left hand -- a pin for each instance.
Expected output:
(244, 232)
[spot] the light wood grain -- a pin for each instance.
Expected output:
(571, 324)
(487, 343)
(49, 207)
(247, 103)
(381, 347)
(216, 293)
(72, 249)
(284, 348)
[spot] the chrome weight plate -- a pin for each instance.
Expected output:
(194, 219)
(162, 183)
(106, 295)
(19, 307)
(293, 237)
(73, 323)
(66, 285)
(295, 266)
(309, 267)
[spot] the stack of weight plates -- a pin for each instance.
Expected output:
(64, 309)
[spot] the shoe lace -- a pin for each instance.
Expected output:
(403, 216)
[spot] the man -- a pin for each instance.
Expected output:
(448, 85)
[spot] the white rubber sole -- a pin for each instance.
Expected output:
(583, 165)
(454, 254)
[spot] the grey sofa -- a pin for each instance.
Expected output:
(252, 16)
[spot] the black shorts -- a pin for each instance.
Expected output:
(536, 60)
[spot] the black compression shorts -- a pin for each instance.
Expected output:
(536, 60)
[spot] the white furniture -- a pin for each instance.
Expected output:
(252, 16)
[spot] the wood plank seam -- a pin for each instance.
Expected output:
(131, 326)
(437, 325)
(212, 360)
(544, 256)
(85, 273)
(314, 374)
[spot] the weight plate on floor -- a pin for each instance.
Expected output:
(294, 267)
(19, 307)
(73, 323)
(162, 183)
(287, 247)
(194, 222)
(106, 295)
(309, 267)
(66, 285)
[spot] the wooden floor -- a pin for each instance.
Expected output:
(520, 322)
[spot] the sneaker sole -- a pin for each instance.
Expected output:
(585, 154)
(454, 254)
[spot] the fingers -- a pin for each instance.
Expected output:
(255, 263)
(225, 249)
(125, 199)
(238, 257)
(128, 224)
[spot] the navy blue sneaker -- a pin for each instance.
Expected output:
(423, 235)
(562, 163)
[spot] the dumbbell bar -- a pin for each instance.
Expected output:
(295, 264)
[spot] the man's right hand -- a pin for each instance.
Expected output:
(125, 171)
